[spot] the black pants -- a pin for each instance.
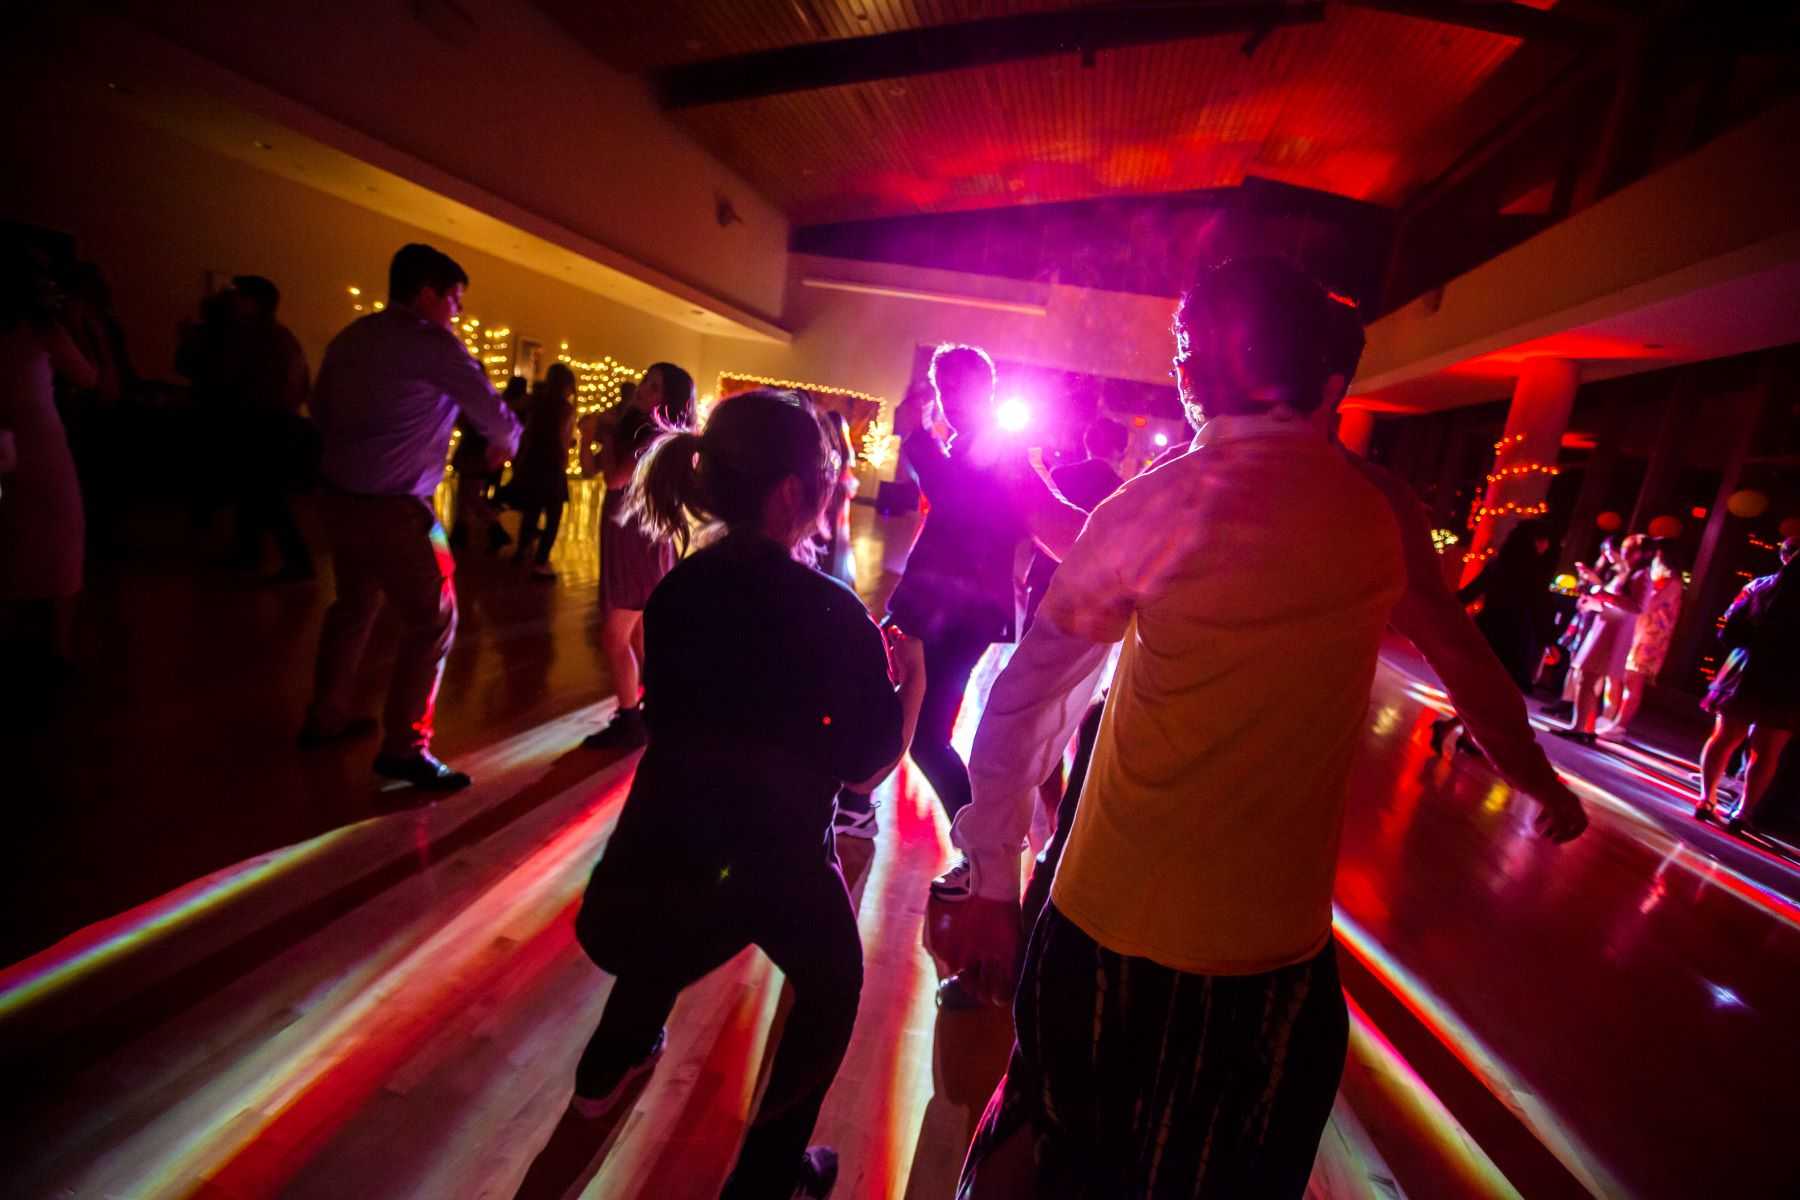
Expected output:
(266, 509)
(1136, 1080)
(950, 659)
(658, 944)
(528, 528)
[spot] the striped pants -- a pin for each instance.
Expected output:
(1136, 1080)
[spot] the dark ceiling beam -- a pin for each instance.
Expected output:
(1083, 31)
(1502, 17)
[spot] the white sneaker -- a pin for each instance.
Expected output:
(856, 824)
(955, 885)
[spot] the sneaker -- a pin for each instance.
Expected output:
(422, 770)
(957, 884)
(626, 731)
(593, 1108)
(855, 823)
(818, 1173)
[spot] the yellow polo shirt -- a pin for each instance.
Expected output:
(1251, 580)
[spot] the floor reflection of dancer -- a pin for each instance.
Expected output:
(388, 395)
(633, 562)
(1252, 581)
(1755, 697)
(768, 686)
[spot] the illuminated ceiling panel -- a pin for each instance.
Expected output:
(1364, 104)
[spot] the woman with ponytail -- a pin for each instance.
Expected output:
(768, 687)
(633, 561)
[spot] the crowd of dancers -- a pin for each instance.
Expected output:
(1179, 1025)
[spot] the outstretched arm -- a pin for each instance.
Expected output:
(1433, 619)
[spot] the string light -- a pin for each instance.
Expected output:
(1443, 539)
(878, 440)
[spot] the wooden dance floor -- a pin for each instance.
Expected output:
(240, 972)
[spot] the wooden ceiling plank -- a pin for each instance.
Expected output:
(914, 52)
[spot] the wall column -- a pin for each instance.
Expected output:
(1535, 423)
(1355, 427)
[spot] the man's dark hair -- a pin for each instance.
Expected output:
(260, 291)
(417, 266)
(1260, 323)
(1105, 439)
(950, 359)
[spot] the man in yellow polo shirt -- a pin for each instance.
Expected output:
(1180, 1027)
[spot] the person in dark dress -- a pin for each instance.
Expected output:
(964, 589)
(1513, 588)
(1755, 697)
(767, 686)
(540, 482)
(633, 562)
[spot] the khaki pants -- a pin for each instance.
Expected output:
(392, 549)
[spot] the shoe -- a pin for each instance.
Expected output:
(355, 729)
(957, 996)
(957, 884)
(626, 731)
(1558, 712)
(544, 571)
(1575, 735)
(818, 1173)
(423, 771)
(1440, 729)
(856, 823)
(1466, 744)
(593, 1108)
(1705, 812)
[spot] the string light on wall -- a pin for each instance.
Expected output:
(878, 440)
(1503, 472)
(1443, 539)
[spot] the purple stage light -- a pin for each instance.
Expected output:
(1013, 415)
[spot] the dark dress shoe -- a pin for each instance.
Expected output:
(626, 731)
(355, 729)
(1577, 736)
(424, 772)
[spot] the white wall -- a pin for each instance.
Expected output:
(510, 104)
(157, 213)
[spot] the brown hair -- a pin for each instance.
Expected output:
(726, 472)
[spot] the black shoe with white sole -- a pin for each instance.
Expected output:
(957, 884)
(422, 770)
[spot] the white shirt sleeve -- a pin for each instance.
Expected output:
(1033, 710)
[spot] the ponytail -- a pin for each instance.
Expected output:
(667, 488)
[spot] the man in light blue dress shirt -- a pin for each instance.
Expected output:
(389, 390)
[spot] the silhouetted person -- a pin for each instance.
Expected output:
(1513, 588)
(963, 589)
(42, 530)
(540, 480)
(94, 415)
(476, 480)
(1084, 484)
(388, 394)
(632, 561)
(276, 446)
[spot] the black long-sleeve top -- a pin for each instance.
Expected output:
(766, 686)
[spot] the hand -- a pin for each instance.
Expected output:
(980, 940)
(1561, 818)
(906, 658)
